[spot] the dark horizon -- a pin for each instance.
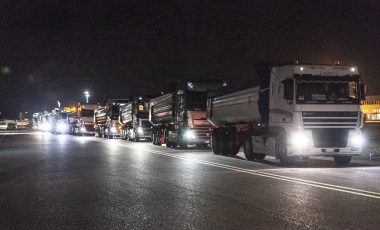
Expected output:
(57, 50)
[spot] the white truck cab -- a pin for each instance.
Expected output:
(318, 109)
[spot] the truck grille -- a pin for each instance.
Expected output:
(89, 128)
(202, 132)
(330, 138)
(332, 119)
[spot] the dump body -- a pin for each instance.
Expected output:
(235, 107)
(161, 109)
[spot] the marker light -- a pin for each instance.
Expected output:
(190, 134)
(352, 69)
(301, 68)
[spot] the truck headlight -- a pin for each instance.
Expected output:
(299, 139)
(46, 127)
(357, 140)
(190, 134)
(62, 127)
(113, 130)
(140, 130)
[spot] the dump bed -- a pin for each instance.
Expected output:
(235, 107)
(161, 109)
(126, 111)
(100, 116)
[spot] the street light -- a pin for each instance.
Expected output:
(87, 95)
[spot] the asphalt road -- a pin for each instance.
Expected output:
(65, 182)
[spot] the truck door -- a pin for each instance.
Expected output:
(283, 100)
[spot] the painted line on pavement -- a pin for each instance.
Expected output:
(354, 191)
(359, 192)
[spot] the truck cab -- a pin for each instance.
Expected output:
(317, 110)
(134, 118)
(106, 117)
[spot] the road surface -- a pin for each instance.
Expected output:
(66, 182)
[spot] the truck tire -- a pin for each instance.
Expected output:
(183, 145)
(248, 151)
(215, 141)
(236, 149)
(342, 160)
(168, 144)
(282, 153)
(225, 143)
(260, 156)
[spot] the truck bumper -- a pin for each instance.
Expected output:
(312, 151)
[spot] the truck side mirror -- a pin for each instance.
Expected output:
(288, 89)
(363, 91)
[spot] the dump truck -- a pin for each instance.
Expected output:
(134, 118)
(59, 122)
(293, 111)
(179, 118)
(106, 118)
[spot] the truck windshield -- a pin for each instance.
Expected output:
(114, 112)
(87, 113)
(196, 100)
(327, 92)
(63, 115)
(146, 124)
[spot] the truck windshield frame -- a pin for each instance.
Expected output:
(196, 100)
(327, 90)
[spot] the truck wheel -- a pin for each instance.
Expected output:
(248, 152)
(122, 135)
(282, 153)
(183, 145)
(260, 156)
(342, 160)
(225, 143)
(235, 149)
(215, 141)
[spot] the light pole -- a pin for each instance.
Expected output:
(87, 95)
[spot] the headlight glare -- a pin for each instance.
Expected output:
(357, 140)
(190, 134)
(113, 130)
(62, 127)
(299, 139)
(140, 130)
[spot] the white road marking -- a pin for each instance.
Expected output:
(354, 191)
(333, 187)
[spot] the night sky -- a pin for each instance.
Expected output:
(58, 49)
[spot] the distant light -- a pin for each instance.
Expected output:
(301, 68)
(140, 98)
(5, 70)
(353, 69)
(86, 93)
(190, 85)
